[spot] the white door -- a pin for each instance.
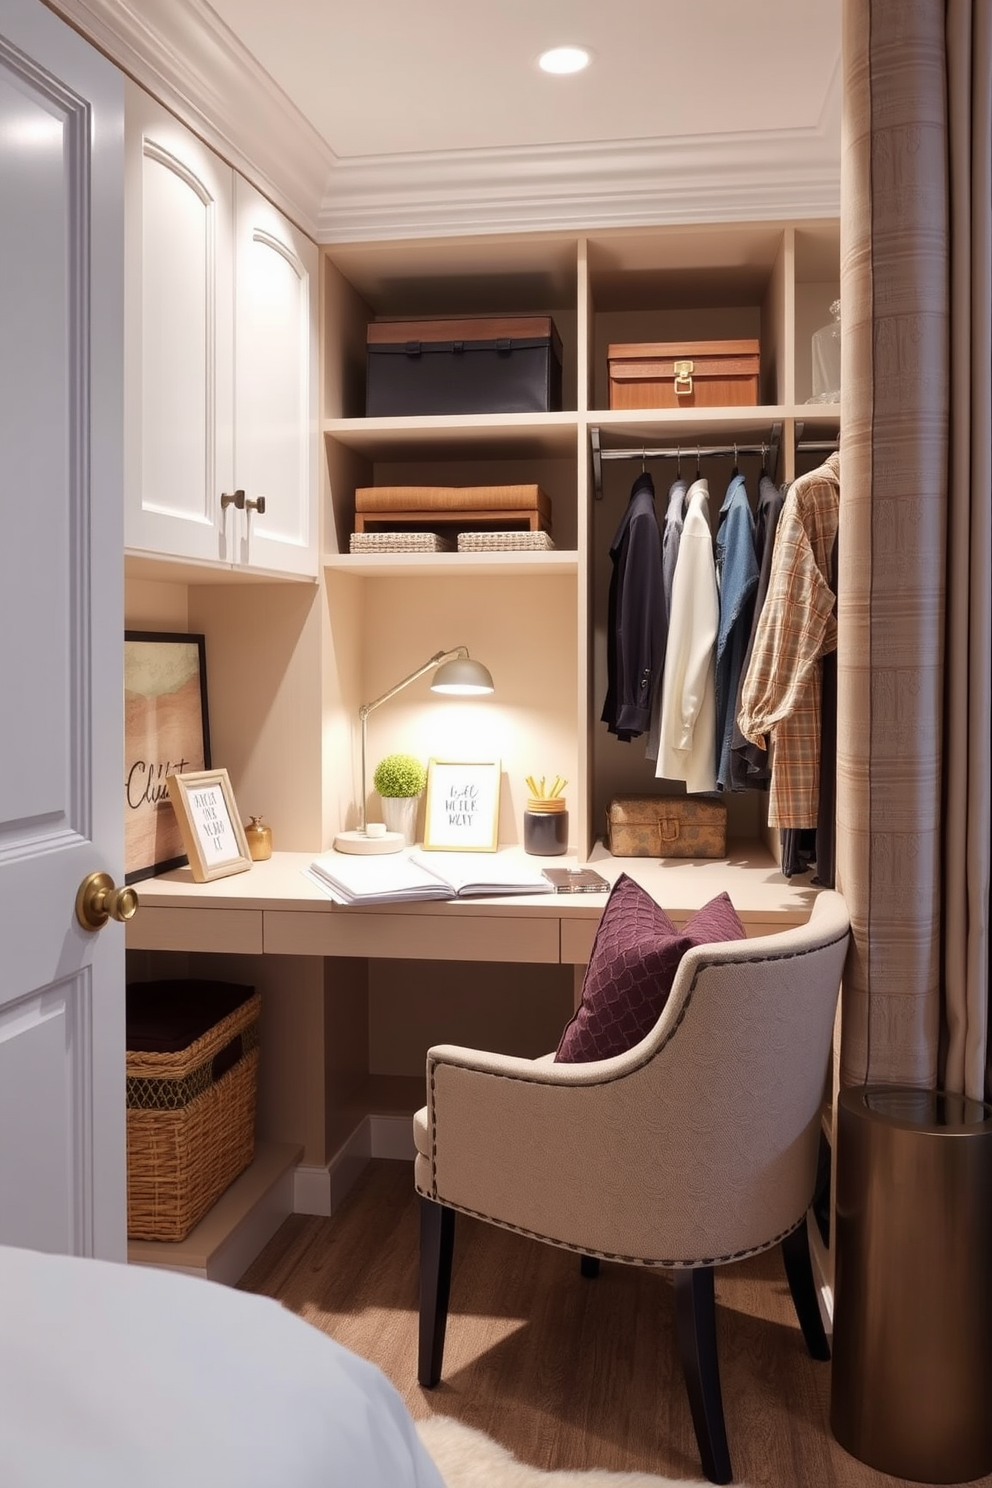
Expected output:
(275, 421)
(62, 1061)
(180, 346)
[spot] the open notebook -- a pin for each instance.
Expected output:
(386, 878)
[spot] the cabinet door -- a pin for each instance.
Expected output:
(275, 387)
(179, 339)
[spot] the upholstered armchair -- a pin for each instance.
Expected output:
(696, 1147)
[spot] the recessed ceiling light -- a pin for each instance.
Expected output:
(564, 59)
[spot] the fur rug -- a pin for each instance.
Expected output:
(469, 1459)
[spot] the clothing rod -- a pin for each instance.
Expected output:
(813, 445)
(768, 449)
(690, 451)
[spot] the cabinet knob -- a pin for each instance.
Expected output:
(258, 505)
(232, 498)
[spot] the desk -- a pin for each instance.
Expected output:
(274, 910)
(352, 997)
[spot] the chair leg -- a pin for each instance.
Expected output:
(437, 1237)
(589, 1267)
(695, 1325)
(799, 1270)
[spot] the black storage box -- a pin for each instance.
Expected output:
(491, 364)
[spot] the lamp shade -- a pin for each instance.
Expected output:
(462, 677)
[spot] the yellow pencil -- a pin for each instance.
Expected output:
(531, 785)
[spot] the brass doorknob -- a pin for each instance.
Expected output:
(99, 901)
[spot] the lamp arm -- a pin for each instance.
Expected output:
(363, 713)
(435, 661)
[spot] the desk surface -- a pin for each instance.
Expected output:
(759, 891)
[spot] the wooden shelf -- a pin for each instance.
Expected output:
(451, 565)
(516, 435)
(231, 1233)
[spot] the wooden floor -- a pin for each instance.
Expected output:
(564, 1372)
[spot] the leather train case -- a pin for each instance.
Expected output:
(666, 827)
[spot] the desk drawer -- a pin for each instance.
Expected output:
(577, 937)
(157, 929)
(412, 937)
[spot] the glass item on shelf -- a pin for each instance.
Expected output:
(826, 360)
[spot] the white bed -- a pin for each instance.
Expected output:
(113, 1376)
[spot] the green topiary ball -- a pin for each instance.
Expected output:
(399, 775)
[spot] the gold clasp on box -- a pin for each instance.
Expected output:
(683, 378)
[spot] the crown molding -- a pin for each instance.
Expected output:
(181, 52)
(717, 179)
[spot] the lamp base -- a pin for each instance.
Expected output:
(360, 843)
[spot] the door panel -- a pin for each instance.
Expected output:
(180, 339)
(276, 386)
(62, 1141)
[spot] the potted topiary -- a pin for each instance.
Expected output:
(400, 779)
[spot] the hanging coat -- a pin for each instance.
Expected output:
(750, 767)
(798, 627)
(635, 634)
(687, 742)
(737, 580)
(670, 538)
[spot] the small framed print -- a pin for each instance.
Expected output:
(462, 805)
(208, 820)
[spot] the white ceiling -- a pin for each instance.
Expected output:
(395, 118)
(392, 77)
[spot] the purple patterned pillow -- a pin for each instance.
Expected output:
(631, 969)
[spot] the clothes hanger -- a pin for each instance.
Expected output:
(736, 469)
(697, 462)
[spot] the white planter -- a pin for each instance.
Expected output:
(400, 815)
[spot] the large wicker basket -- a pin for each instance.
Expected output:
(190, 1115)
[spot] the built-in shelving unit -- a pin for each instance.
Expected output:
(289, 664)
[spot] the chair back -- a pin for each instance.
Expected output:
(735, 1073)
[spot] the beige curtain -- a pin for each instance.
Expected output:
(915, 559)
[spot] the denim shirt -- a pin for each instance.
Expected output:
(737, 578)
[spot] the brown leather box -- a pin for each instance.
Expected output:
(666, 827)
(489, 364)
(686, 374)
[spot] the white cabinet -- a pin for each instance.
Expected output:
(275, 386)
(221, 354)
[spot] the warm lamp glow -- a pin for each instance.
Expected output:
(457, 675)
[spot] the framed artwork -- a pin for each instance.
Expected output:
(165, 732)
(208, 819)
(462, 805)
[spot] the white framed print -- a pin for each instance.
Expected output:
(462, 805)
(208, 820)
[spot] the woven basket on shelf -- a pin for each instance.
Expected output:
(400, 542)
(190, 1124)
(504, 542)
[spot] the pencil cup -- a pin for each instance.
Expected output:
(546, 826)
